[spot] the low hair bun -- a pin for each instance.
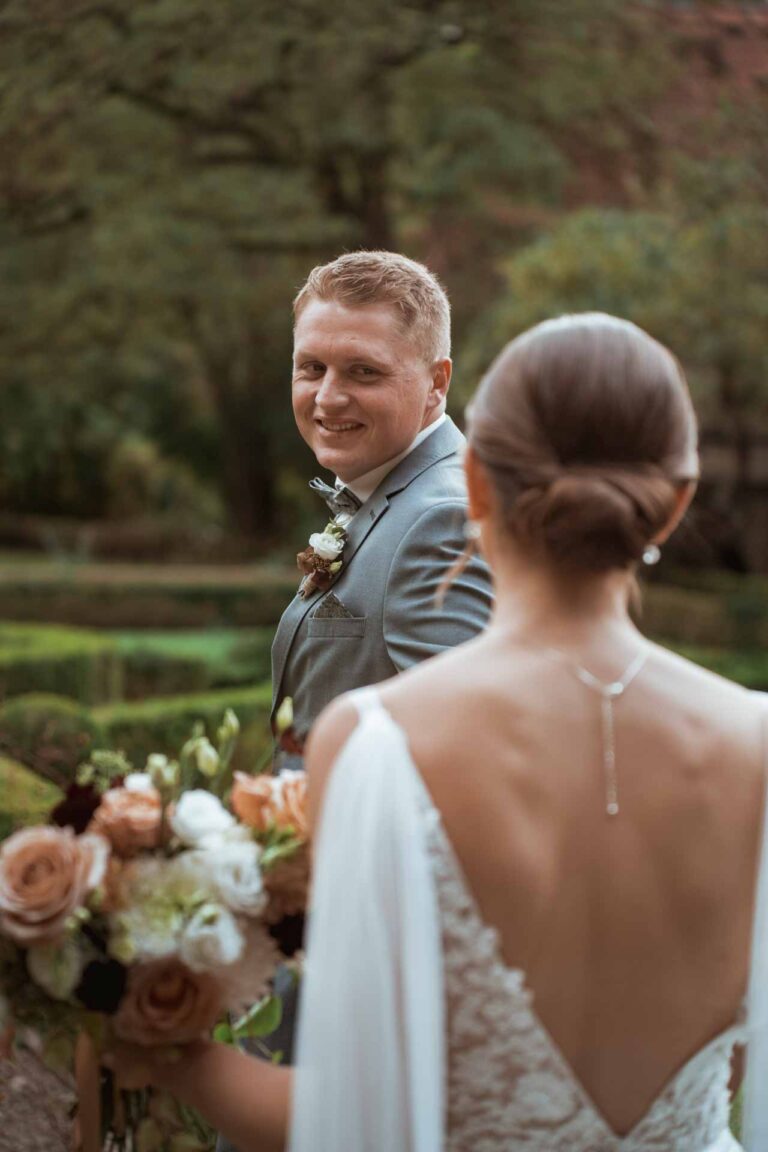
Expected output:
(593, 520)
(587, 432)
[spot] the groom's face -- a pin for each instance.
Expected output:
(362, 389)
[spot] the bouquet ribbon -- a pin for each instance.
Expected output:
(87, 1137)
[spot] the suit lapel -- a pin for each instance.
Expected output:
(444, 442)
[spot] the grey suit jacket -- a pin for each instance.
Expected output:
(379, 615)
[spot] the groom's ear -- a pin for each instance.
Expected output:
(441, 381)
(478, 487)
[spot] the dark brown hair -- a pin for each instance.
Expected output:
(586, 429)
(415, 294)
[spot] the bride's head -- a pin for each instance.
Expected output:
(582, 444)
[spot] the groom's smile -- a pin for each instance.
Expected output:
(362, 389)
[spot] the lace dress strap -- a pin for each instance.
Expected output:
(755, 1095)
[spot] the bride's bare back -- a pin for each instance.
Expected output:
(634, 931)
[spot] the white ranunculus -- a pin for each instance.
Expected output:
(138, 782)
(56, 968)
(237, 875)
(155, 897)
(198, 814)
(236, 834)
(211, 939)
(326, 545)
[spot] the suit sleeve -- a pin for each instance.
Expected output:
(415, 628)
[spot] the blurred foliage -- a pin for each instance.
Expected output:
(49, 734)
(170, 170)
(26, 798)
(156, 596)
(63, 661)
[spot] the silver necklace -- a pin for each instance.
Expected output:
(608, 694)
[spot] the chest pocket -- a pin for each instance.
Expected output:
(336, 627)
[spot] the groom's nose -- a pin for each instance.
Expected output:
(332, 393)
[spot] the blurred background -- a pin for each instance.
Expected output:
(170, 170)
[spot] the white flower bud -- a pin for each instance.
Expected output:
(138, 782)
(204, 756)
(284, 716)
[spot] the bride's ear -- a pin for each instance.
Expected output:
(478, 487)
(685, 494)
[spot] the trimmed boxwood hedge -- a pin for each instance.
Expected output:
(164, 724)
(63, 661)
(52, 735)
(104, 596)
(49, 734)
(147, 673)
(24, 797)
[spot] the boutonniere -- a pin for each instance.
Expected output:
(321, 562)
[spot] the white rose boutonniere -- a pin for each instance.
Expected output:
(326, 545)
(322, 560)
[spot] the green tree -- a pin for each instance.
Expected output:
(169, 169)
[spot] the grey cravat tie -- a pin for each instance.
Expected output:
(337, 499)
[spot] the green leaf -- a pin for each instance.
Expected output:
(281, 850)
(223, 1034)
(261, 1020)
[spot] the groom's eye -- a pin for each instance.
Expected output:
(312, 368)
(366, 371)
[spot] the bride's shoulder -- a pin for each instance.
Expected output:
(702, 684)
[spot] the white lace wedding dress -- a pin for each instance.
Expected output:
(414, 1036)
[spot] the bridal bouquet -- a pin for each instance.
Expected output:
(146, 912)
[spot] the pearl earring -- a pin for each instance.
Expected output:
(652, 554)
(472, 530)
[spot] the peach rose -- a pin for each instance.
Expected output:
(45, 874)
(266, 801)
(129, 819)
(166, 1003)
(287, 885)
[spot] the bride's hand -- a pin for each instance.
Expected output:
(135, 1067)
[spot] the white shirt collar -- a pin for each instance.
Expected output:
(365, 486)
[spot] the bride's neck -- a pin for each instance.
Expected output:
(537, 606)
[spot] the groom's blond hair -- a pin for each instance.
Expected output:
(415, 294)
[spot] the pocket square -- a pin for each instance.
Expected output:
(331, 608)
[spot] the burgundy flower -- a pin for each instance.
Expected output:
(76, 809)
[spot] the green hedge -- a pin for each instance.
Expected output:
(147, 673)
(53, 735)
(206, 658)
(63, 661)
(49, 734)
(746, 666)
(708, 619)
(24, 797)
(163, 725)
(124, 596)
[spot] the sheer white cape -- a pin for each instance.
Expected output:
(371, 1030)
(371, 1038)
